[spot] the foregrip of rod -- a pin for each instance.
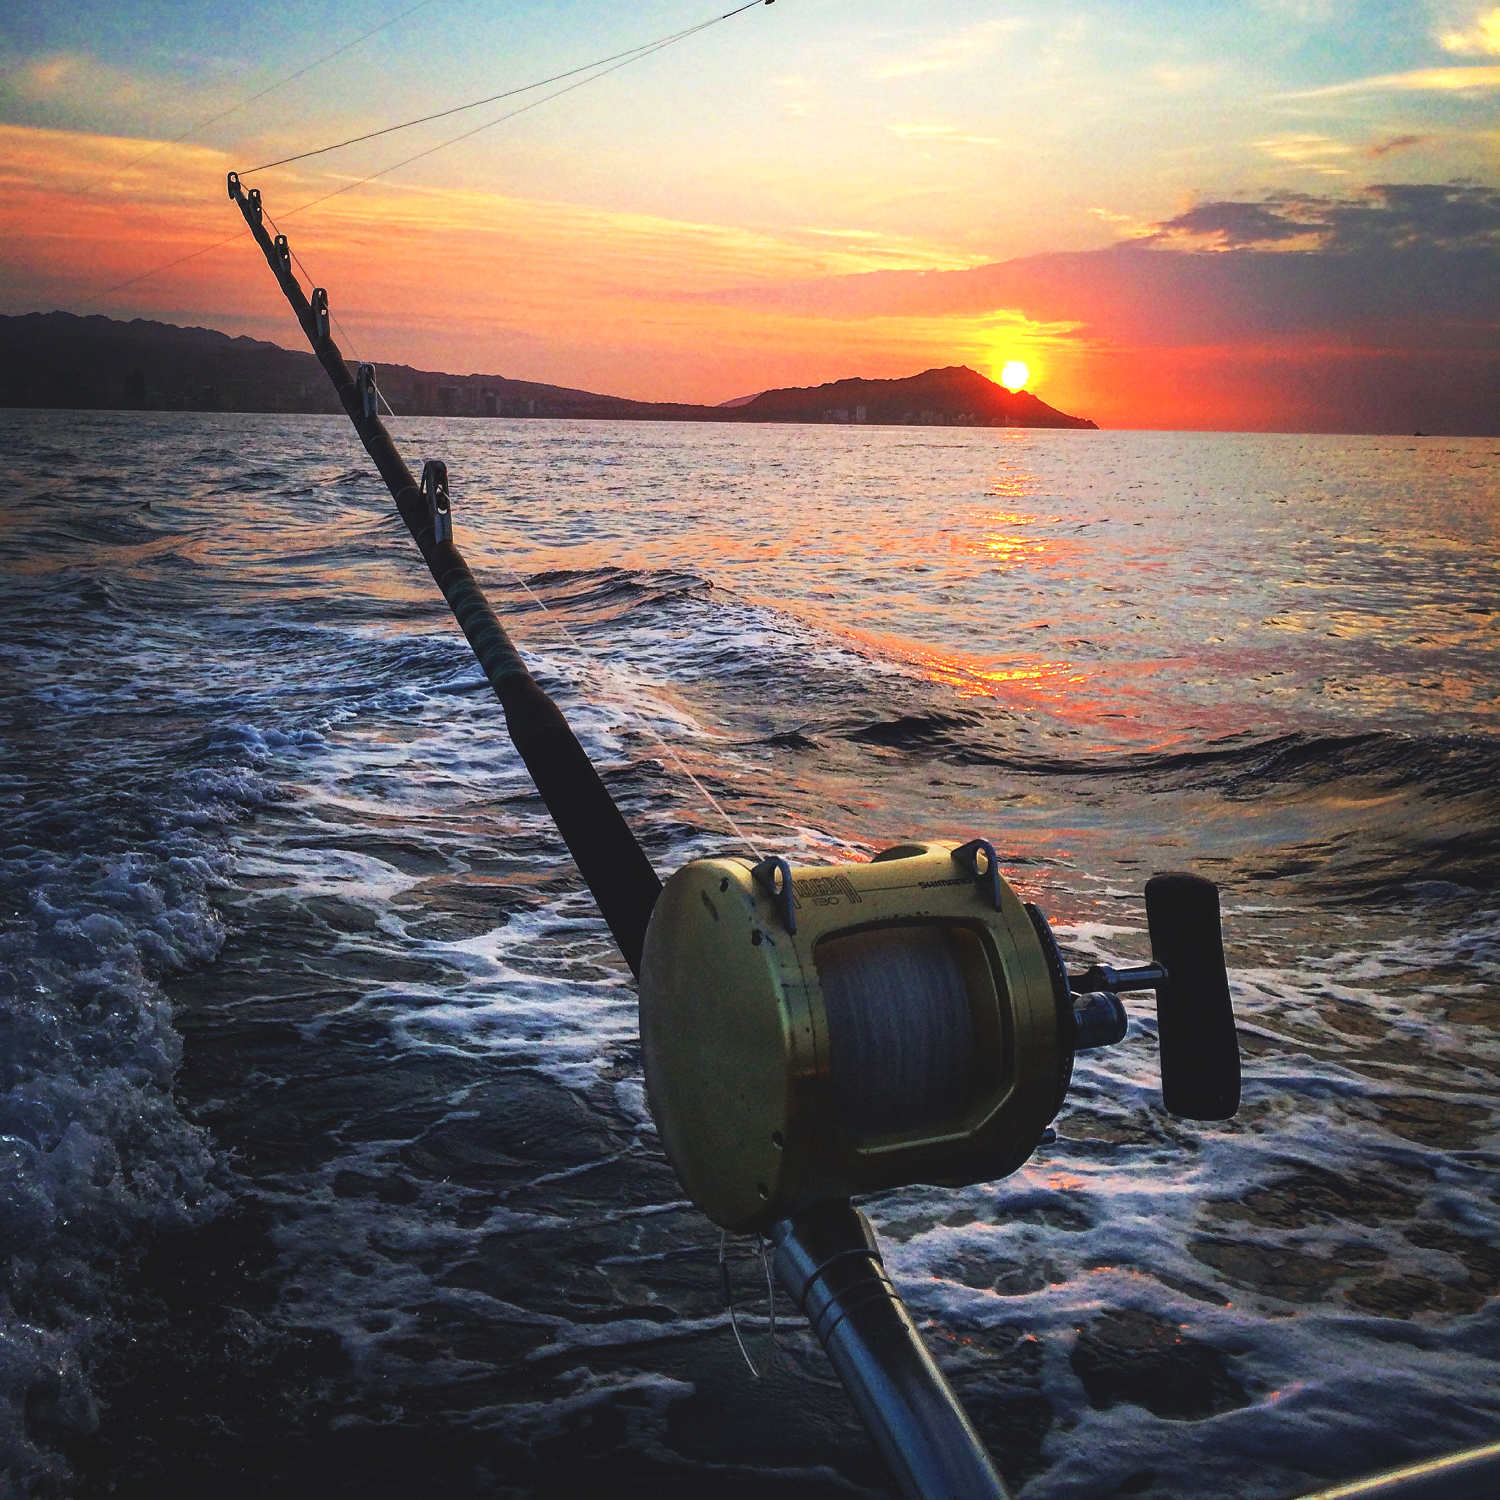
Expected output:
(613, 863)
(828, 1261)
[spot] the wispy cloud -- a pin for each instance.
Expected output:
(798, 94)
(945, 135)
(1464, 80)
(1303, 12)
(1395, 143)
(93, 169)
(1308, 152)
(1481, 39)
(75, 90)
(71, 79)
(880, 249)
(1187, 78)
(1302, 148)
(1126, 226)
(959, 49)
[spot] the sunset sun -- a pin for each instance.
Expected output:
(1015, 375)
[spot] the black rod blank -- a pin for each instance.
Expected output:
(607, 853)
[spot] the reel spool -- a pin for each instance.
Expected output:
(813, 1033)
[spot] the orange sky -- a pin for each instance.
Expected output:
(461, 279)
(1273, 277)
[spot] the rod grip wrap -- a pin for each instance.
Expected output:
(612, 862)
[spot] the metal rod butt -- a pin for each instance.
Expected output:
(828, 1261)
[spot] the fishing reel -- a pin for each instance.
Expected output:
(813, 1033)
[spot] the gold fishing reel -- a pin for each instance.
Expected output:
(812, 1033)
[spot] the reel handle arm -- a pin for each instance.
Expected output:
(1116, 981)
(1200, 1055)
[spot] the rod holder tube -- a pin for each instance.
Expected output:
(611, 860)
(828, 1261)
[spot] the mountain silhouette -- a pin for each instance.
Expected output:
(60, 360)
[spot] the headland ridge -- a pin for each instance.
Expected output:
(61, 360)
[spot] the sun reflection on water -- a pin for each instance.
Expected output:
(1008, 538)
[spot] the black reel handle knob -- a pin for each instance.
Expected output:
(1200, 1053)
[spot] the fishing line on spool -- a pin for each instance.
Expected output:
(900, 1026)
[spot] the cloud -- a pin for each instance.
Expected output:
(1297, 149)
(1231, 225)
(798, 94)
(1396, 143)
(879, 247)
(63, 83)
(946, 54)
(1390, 216)
(1416, 216)
(1126, 226)
(1466, 80)
(1307, 13)
(1192, 78)
(1481, 39)
(1409, 263)
(76, 91)
(1308, 153)
(949, 135)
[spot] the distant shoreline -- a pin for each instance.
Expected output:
(58, 360)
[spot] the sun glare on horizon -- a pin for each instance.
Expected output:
(1015, 375)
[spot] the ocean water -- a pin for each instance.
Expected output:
(325, 1166)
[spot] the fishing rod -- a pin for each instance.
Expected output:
(813, 1033)
(810, 1034)
(612, 862)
